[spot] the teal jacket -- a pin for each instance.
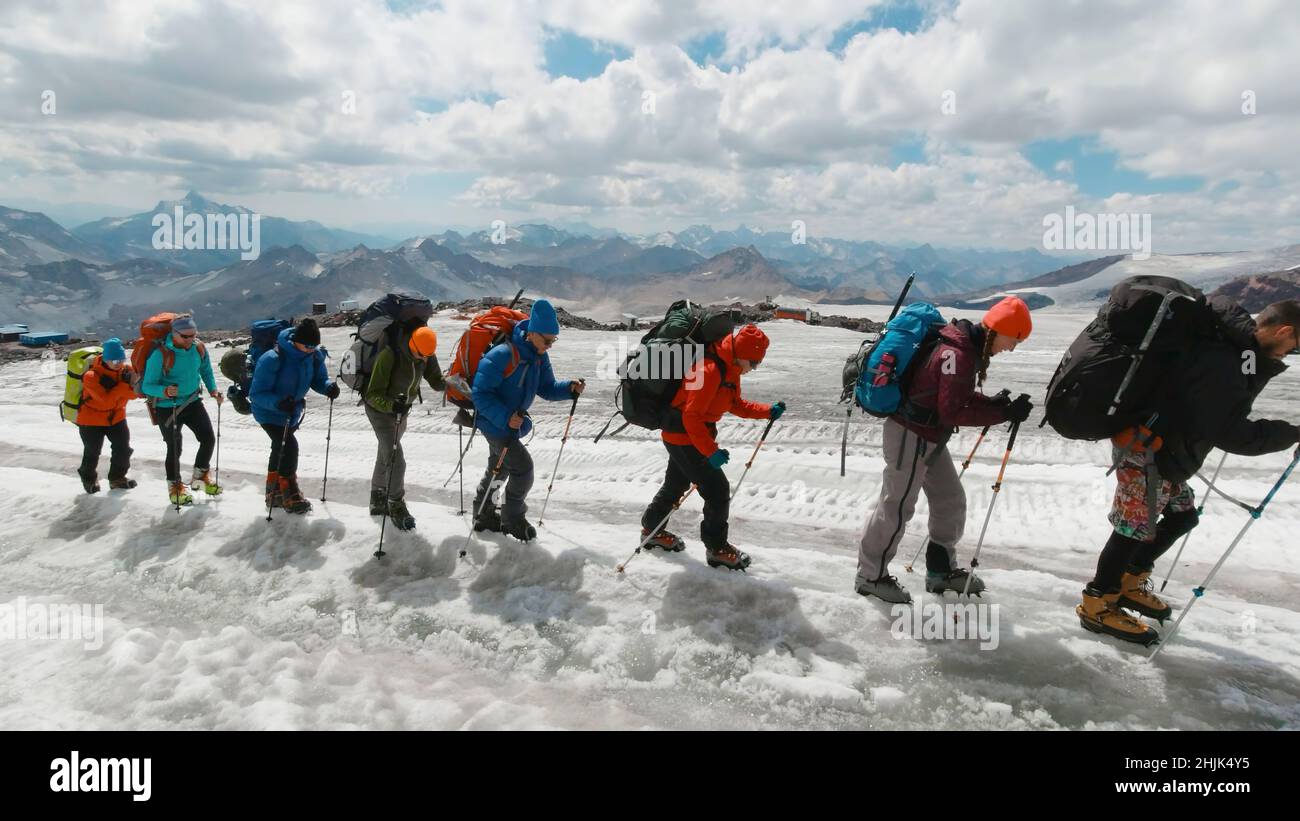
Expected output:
(188, 372)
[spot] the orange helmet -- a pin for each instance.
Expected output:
(424, 342)
(1010, 317)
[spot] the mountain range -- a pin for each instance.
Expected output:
(106, 275)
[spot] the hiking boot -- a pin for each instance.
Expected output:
(274, 498)
(179, 494)
(121, 483)
(1100, 613)
(489, 519)
(954, 580)
(520, 529)
(291, 498)
(202, 480)
(89, 481)
(1135, 593)
(664, 540)
(378, 501)
(726, 556)
(886, 588)
(402, 518)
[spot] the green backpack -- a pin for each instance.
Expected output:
(78, 362)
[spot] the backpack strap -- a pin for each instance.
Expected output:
(722, 368)
(514, 361)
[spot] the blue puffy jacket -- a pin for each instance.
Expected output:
(496, 396)
(286, 372)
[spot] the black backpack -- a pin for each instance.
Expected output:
(1116, 372)
(382, 323)
(654, 370)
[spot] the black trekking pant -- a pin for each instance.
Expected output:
(118, 436)
(1123, 554)
(289, 454)
(195, 417)
(686, 467)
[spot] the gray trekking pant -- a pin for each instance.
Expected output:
(386, 431)
(912, 465)
(516, 473)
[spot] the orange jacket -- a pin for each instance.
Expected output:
(703, 398)
(101, 406)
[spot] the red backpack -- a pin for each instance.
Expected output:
(490, 328)
(153, 335)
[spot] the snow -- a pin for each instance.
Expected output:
(215, 618)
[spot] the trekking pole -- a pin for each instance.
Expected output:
(388, 485)
(329, 429)
(1199, 510)
(460, 445)
(997, 488)
(216, 471)
(491, 488)
(848, 413)
(1255, 513)
(752, 457)
(461, 460)
(964, 465)
(554, 470)
(655, 532)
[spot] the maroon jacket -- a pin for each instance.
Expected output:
(949, 400)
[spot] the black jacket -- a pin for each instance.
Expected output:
(1211, 405)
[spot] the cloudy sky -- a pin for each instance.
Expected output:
(957, 123)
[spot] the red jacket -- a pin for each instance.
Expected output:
(703, 399)
(944, 386)
(101, 406)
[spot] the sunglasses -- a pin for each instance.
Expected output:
(549, 340)
(188, 336)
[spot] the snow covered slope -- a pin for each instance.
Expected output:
(215, 618)
(1205, 271)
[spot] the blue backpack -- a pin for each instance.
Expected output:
(237, 365)
(876, 376)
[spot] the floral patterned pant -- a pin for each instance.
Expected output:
(1139, 501)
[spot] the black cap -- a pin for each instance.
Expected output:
(307, 333)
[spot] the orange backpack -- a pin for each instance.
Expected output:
(486, 330)
(153, 334)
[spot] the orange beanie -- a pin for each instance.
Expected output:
(424, 342)
(1010, 317)
(750, 343)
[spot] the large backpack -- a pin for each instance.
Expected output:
(153, 335)
(654, 371)
(79, 361)
(237, 365)
(1114, 374)
(877, 376)
(487, 330)
(383, 323)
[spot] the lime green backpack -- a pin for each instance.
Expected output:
(78, 361)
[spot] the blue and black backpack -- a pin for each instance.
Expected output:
(237, 365)
(876, 377)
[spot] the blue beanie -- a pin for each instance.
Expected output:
(184, 322)
(543, 319)
(113, 350)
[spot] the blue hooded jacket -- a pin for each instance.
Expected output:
(496, 396)
(284, 371)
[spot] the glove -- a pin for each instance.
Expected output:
(287, 404)
(1003, 398)
(719, 458)
(332, 391)
(401, 408)
(1018, 411)
(107, 382)
(776, 411)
